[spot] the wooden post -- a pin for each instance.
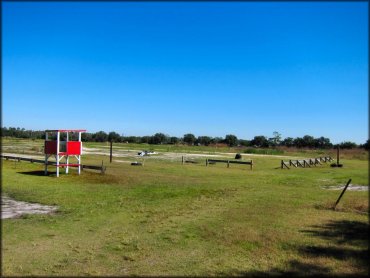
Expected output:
(182, 160)
(340, 196)
(206, 161)
(251, 164)
(111, 151)
(338, 155)
(228, 164)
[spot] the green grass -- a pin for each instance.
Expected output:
(170, 219)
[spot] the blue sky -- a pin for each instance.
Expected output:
(210, 68)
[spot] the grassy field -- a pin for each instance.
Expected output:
(170, 219)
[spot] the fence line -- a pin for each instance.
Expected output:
(308, 162)
(102, 168)
(213, 161)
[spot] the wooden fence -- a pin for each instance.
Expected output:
(309, 162)
(213, 161)
(101, 168)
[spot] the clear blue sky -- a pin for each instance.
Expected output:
(210, 68)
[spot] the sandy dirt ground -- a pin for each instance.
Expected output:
(351, 187)
(11, 208)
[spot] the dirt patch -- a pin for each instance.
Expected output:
(351, 187)
(11, 208)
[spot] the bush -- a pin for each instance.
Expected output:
(238, 156)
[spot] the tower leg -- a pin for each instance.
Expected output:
(46, 165)
(57, 165)
(79, 164)
(58, 149)
(67, 162)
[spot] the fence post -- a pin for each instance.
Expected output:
(340, 196)
(206, 161)
(251, 164)
(228, 164)
(182, 160)
(111, 151)
(338, 155)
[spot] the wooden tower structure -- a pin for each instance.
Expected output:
(64, 148)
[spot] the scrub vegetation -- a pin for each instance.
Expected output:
(165, 218)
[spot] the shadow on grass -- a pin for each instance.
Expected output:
(351, 238)
(36, 173)
(347, 242)
(294, 269)
(354, 233)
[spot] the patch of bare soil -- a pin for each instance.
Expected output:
(11, 208)
(351, 187)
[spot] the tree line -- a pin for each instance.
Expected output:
(231, 140)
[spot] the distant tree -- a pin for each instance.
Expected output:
(231, 140)
(276, 139)
(174, 140)
(245, 143)
(366, 146)
(145, 139)
(100, 136)
(86, 137)
(217, 140)
(131, 139)
(158, 138)
(260, 141)
(204, 140)
(189, 138)
(308, 141)
(298, 142)
(114, 137)
(288, 142)
(347, 145)
(322, 143)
